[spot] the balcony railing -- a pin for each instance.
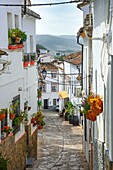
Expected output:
(29, 59)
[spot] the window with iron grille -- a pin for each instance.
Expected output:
(54, 102)
(16, 121)
(15, 99)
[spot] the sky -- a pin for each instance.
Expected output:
(57, 19)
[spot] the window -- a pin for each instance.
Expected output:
(9, 20)
(53, 75)
(16, 21)
(17, 98)
(16, 121)
(53, 88)
(44, 88)
(54, 102)
(31, 44)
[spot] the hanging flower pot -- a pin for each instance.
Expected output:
(29, 108)
(96, 109)
(2, 116)
(12, 116)
(40, 127)
(32, 120)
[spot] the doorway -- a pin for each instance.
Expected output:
(45, 103)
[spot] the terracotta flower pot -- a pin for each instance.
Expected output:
(32, 63)
(12, 47)
(92, 117)
(40, 127)
(12, 116)
(20, 46)
(32, 120)
(26, 63)
(2, 116)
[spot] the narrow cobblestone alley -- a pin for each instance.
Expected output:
(59, 145)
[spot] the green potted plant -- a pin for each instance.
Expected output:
(16, 37)
(39, 104)
(23, 117)
(16, 121)
(69, 111)
(12, 110)
(26, 61)
(33, 58)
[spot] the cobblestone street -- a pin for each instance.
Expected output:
(59, 145)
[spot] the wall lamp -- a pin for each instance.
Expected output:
(44, 73)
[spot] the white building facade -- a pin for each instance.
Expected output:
(18, 83)
(97, 68)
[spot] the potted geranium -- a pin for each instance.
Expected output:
(33, 58)
(26, 61)
(6, 130)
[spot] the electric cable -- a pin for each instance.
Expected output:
(44, 4)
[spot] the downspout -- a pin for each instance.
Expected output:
(110, 63)
(82, 60)
(24, 7)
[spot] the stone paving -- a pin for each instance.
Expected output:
(59, 145)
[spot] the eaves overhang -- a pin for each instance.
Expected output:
(82, 4)
(31, 13)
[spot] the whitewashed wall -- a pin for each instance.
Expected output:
(29, 27)
(3, 20)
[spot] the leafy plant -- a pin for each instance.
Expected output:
(39, 104)
(23, 116)
(33, 57)
(13, 107)
(16, 121)
(25, 58)
(3, 163)
(16, 36)
(70, 107)
(6, 129)
(3, 110)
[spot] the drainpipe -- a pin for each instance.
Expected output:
(110, 63)
(24, 7)
(82, 60)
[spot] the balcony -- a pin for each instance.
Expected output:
(29, 59)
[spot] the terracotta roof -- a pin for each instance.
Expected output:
(74, 58)
(48, 66)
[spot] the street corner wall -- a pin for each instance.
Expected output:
(14, 152)
(31, 142)
(109, 164)
(99, 155)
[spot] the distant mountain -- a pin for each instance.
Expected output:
(61, 43)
